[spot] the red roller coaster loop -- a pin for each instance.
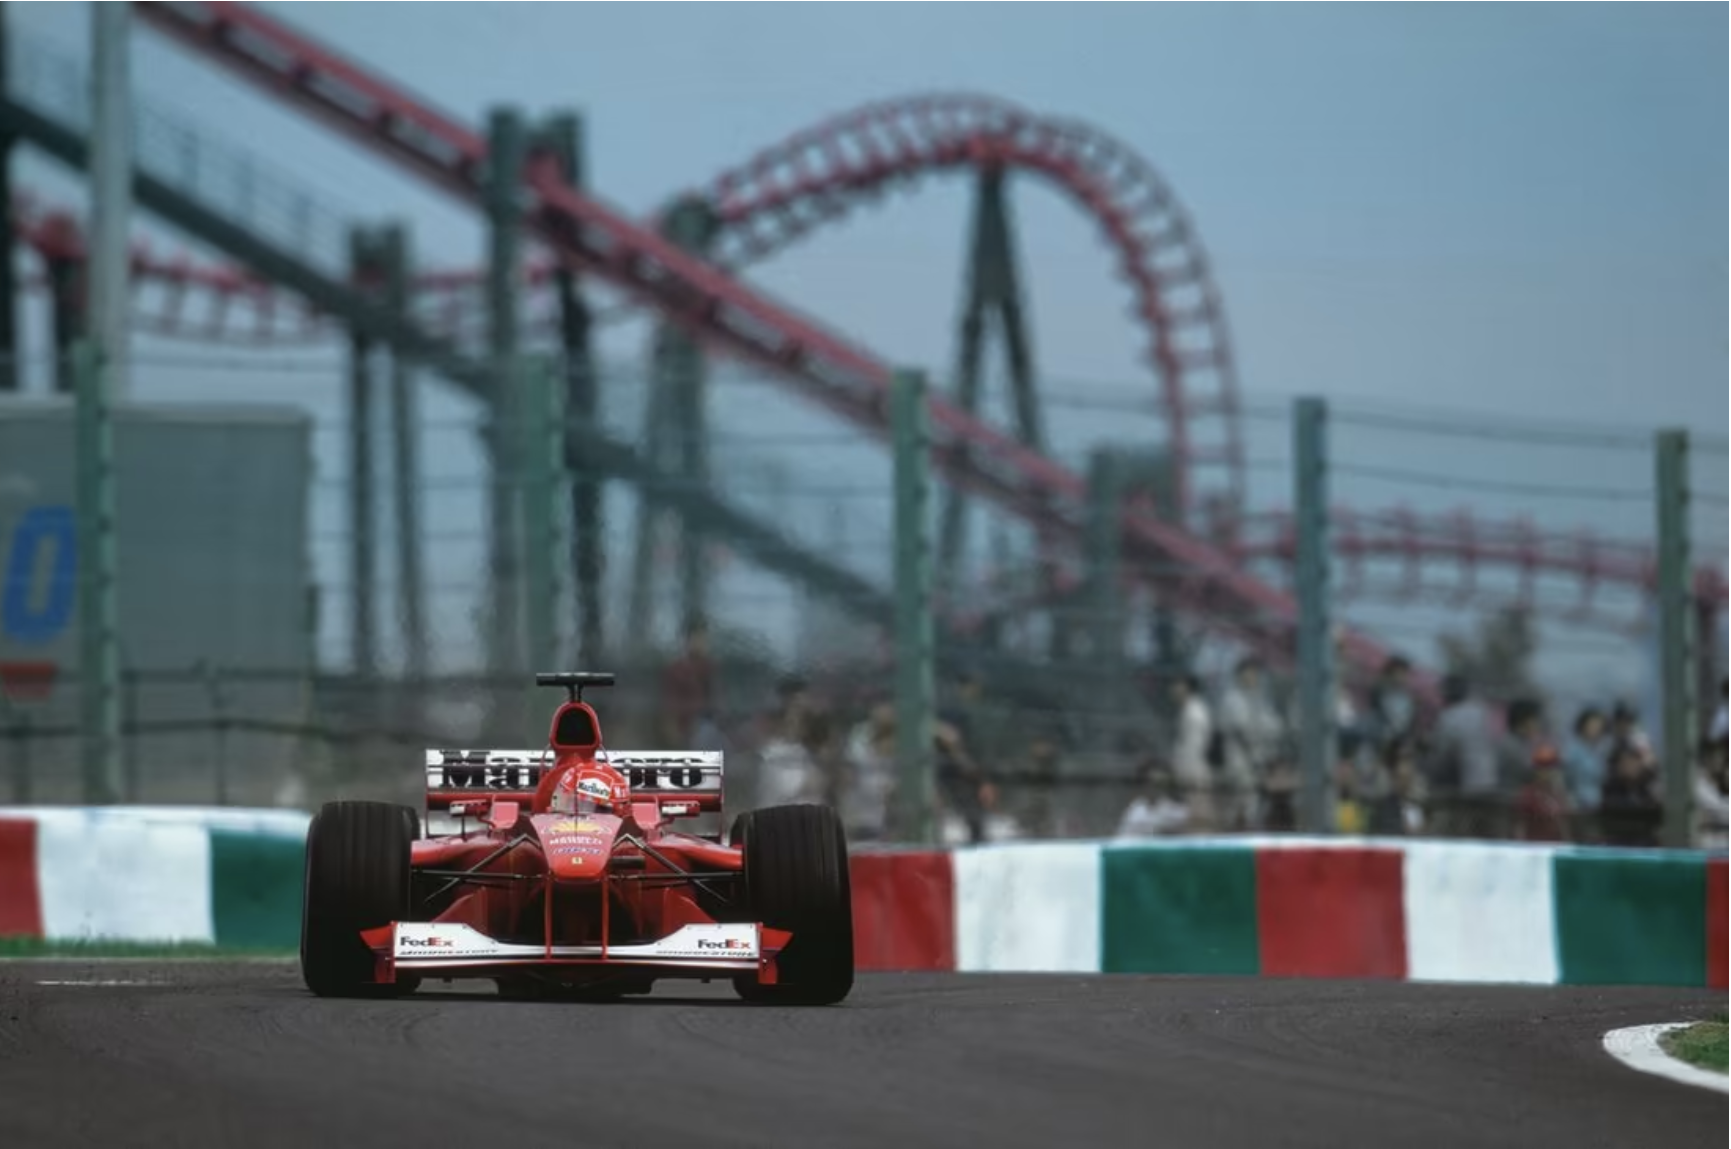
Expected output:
(816, 176)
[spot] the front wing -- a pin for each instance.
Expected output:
(453, 949)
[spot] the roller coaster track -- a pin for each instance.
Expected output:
(816, 176)
(720, 310)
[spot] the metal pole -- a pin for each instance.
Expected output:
(913, 613)
(405, 459)
(563, 135)
(99, 374)
(1316, 734)
(98, 615)
(690, 225)
(506, 154)
(11, 370)
(110, 187)
(363, 532)
(1676, 656)
(540, 501)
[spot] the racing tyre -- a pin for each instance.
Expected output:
(357, 878)
(796, 879)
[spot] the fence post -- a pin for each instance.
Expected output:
(1316, 734)
(913, 606)
(1676, 654)
(98, 611)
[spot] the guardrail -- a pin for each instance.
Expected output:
(1259, 906)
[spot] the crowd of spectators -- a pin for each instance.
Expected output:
(1476, 771)
(1222, 760)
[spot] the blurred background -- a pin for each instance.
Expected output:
(390, 436)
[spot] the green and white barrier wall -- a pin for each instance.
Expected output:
(1293, 907)
(1283, 906)
(172, 875)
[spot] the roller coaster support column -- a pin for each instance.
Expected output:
(363, 491)
(507, 152)
(1676, 643)
(544, 444)
(562, 135)
(915, 651)
(392, 252)
(993, 289)
(1316, 734)
(1107, 482)
(676, 407)
(11, 370)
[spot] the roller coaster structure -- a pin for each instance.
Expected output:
(783, 193)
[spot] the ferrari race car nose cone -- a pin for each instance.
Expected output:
(577, 847)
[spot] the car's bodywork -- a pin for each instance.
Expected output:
(603, 902)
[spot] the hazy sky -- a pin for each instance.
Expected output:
(1508, 209)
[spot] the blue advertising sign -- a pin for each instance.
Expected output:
(38, 592)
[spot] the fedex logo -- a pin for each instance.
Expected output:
(723, 944)
(428, 943)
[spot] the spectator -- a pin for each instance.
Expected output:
(1280, 798)
(1626, 730)
(1189, 754)
(1710, 799)
(1393, 711)
(1044, 767)
(687, 687)
(963, 786)
(787, 769)
(1584, 768)
(1350, 814)
(1462, 771)
(1250, 732)
(871, 775)
(1717, 732)
(1630, 812)
(1159, 809)
(1395, 807)
(1542, 809)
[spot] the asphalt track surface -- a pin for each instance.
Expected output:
(239, 1056)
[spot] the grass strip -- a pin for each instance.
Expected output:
(1701, 1044)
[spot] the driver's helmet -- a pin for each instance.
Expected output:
(585, 790)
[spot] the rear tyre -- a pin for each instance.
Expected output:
(357, 878)
(796, 879)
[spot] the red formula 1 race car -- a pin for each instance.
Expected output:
(563, 876)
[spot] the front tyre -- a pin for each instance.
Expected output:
(796, 879)
(357, 878)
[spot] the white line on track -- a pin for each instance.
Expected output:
(71, 959)
(1638, 1047)
(101, 982)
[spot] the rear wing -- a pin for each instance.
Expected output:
(684, 782)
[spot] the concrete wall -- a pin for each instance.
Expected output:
(212, 556)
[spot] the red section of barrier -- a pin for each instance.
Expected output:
(1716, 944)
(904, 911)
(1330, 913)
(20, 900)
